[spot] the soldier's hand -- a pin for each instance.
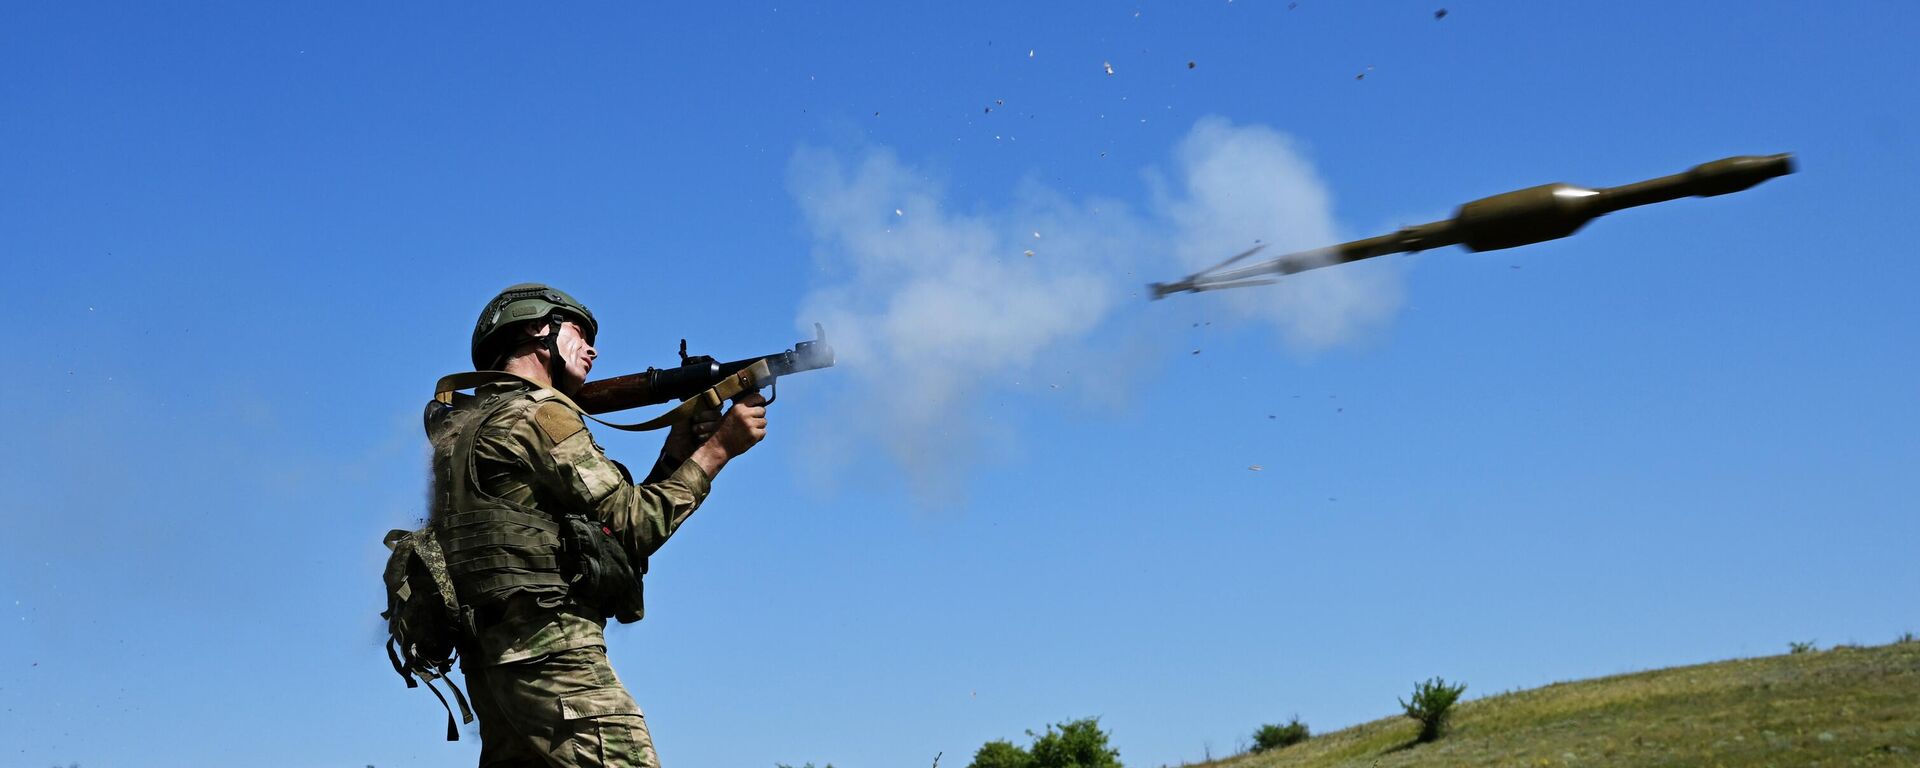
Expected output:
(744, 425)
(688, 435)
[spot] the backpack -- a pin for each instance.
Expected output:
(424, 618)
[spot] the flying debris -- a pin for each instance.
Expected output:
(1522, 217)
(1109, 66)
(1439, 14)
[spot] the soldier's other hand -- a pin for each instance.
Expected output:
(744, 425)
(688, 435)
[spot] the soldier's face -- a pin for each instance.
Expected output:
(576, 355)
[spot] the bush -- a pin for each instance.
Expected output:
(1272, 736)
(1904, 638)
(1076, 744)
(1432, 705)
(1001, 754)
(1806, 647)
(1079, 744)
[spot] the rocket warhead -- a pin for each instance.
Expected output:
(1507, 220)
(1737, 173)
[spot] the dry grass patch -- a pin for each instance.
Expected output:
(1843, 707)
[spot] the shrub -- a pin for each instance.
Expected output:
(1432, 705)
(1001, 754)
(1904, 638)
(1795, 647)
(1076, 744)
(1272, 736)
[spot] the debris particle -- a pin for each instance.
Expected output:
(1255, 467)
(1291, 6)
(1439, 14)
(1109, 66)
(1029, 253)
(1190, 65)
(1036, 234)
(1363, 75)
(1196, 351)
(1029, 53)
(999, 102)
(898, 212)
(1270, 416)
(989, 110)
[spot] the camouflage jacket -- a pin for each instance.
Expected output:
(537, 452)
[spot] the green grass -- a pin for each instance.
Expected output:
(1848, 706)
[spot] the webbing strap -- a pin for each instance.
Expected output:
(399, 667)
(479, 516)
(499, 538)
(750, 378)
(471, 565)
(485, 584)
(466, 712)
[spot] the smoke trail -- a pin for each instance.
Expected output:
(932, 309)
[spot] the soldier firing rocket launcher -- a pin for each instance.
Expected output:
(1521, 217)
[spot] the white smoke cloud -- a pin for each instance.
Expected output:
(1250, 184)
(932, 309)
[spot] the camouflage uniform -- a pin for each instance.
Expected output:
(537, 668)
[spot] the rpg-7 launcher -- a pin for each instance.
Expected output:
(699, 373)
(1521, 217)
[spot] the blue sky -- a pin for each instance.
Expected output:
(243, 240)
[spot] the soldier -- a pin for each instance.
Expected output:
(515, 463)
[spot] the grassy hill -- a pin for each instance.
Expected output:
(1842, 707)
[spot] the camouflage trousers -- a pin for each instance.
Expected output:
(565, 710)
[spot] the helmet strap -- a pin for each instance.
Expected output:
(555, 366)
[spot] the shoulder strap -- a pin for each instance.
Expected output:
(747, 379)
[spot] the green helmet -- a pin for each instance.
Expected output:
(518, 304)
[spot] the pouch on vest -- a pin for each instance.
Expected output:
(599, 574)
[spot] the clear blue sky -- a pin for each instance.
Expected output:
(241, 240)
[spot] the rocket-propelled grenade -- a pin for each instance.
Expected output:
(1520, 217)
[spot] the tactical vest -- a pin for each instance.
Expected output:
(496, 548)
